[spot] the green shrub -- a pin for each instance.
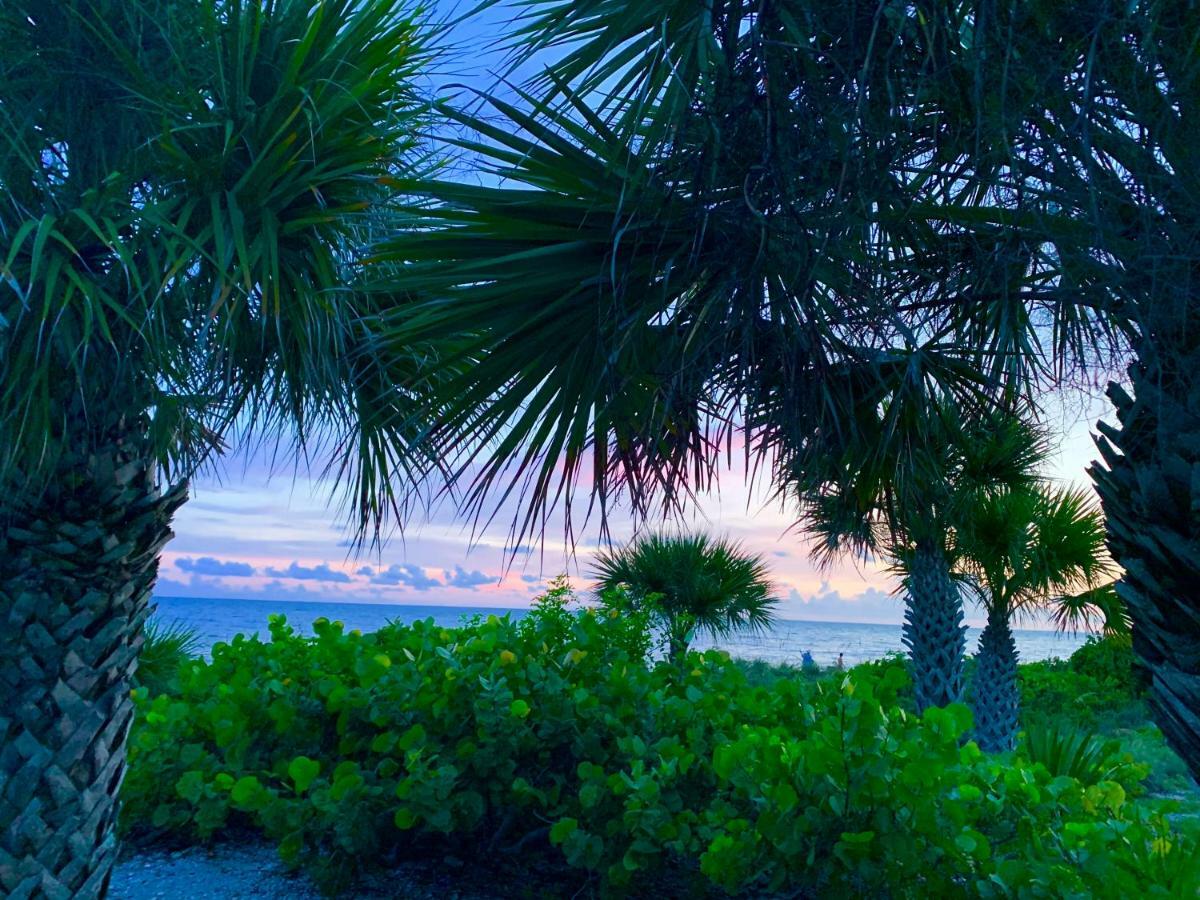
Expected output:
(760, 673)
(1108, 661)
(1087, 695)
(556, 732)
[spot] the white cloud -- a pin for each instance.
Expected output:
(461, 578)
(208, 565)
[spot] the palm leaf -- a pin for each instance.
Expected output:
(188, 241)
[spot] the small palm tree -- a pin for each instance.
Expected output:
(1031, 548)
(691, 584)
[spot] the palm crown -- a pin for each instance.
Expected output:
(706, 224)
(1040, 547)
(691, 584)
(190, 189)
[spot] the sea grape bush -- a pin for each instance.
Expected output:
(1110, 660)
(1083, 691)
(557, 732)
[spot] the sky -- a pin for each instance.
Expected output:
(252, 533)
(248, 532)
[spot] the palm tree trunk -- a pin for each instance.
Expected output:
(77, 565)
(996, 702)
(677, 642)
(934, 632)
(1151, 496)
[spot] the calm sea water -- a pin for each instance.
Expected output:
(220, 620)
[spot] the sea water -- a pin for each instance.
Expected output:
(219, 620)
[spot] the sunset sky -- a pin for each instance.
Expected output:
(249, 534)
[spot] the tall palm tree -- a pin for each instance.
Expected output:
(1085, 146)
(186, 191)
(901, 496)
(690, 585)
(1026, 549)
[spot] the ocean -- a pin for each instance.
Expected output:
(219, 620)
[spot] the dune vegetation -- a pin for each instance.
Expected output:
(560, 747)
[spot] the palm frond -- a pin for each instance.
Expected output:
(1096, 609)
(674, 247)
(184, 247)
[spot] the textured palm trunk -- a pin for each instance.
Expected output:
(1151, 496)
(934, 632)
(77, 565)
(995, 698)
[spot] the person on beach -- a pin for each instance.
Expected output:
(807, 661)
(841, 663)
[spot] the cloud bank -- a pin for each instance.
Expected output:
(322, 572)
(408, 575)
(208, 565)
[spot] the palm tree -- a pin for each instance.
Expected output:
(690, 585)
(1085, 147)
(187, 188)
(1026, 549)
(736, 213)
(902, 496)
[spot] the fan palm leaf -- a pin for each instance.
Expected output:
(256, 143)
(691, 584)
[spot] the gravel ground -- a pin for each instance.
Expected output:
(226, 872)
(250, 869)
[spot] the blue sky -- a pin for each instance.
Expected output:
(249, 533)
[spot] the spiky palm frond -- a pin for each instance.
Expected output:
(185, 244)
(692, 583)
(635, 290)
(1096, 609)
(573, 298)
(1037, 547)
(1069, 550)
(165, 647)
(839, 523)
(1075, 754)
(910, 475)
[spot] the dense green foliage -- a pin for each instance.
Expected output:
(554, 734)
(1094, 689)
(1099, 692)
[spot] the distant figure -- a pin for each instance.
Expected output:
(841, 663)
(806, 660)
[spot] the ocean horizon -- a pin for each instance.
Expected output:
(218, 620)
